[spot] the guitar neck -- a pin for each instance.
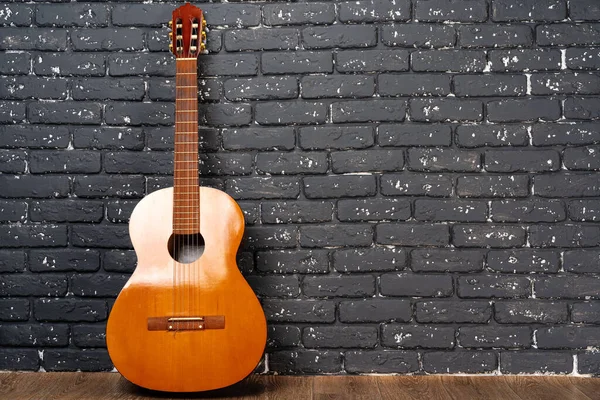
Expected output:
(186, 198)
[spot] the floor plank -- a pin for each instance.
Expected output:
(111, 386)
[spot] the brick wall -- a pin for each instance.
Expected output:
(420, 180)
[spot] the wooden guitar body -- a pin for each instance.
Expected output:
(191, 356)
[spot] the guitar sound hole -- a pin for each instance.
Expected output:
(186, 248)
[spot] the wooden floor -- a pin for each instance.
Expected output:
(109, 386)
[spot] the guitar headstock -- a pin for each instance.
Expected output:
(188, 35)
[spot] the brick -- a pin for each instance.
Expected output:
(286, 212)
(13, 211)
(571, 235)
(442, 160)
(34, 335)
(68, 112)
(21, 285)
(335, 186)
(47, 186)
(261, 39)
(580, 261)
(490, 85)
(293, 112)
(514, 60)
(14, 309)
(342, 36)
(538, 210)
(33, 39)
(293, 261)
(298, 14)
(450, 210)
(412, 336)
(114, 89)
(15, 63)
(123, 64)
(368, 110)
(567, 287)
(91, 360)
(497, 135)
(292, 163)
(588, 312)
(447, 362)
(13, 161)
(263, 187)
(100, 236)
(374, 11)
(225, 164)
(280, 336)
(274, 286)
(34, 136)
(375, 310)
(446, 109)
(13, 261)
(66, 211)
(132, 113)
(367, 160)
(141, 14)
(266, 88)
(74, 161)
(259, 237)
(462, 311)
(572, 133)
(523, 261)
(381, 361)
(19, 359)
(291, 310)
(225, 65)
(238, 15)
(582, 108)
(577, 83)
(568, 34)
(411, 184)
(107, 39)
(371, 60)
(305, 361)
(582, 58)
(446, 260)
(20, 88)
(414, 135)
(72, 15)
(412, 234)
(12, 112)
(530, 109)
(16, 14)
(570, 337)
(459, 11)
(413, 84)
(97, 285)
(369, 259)
(294, 62)
(339, 286)
(335, 137)
(448, 60)
(584, 10)
(584, 210)
(89, 335)
(493, 286)
(513, 362)
(566, 185)
(106, 185)
(373, 210)
(150, 163)
(418, 35)
(33, 235)
(415, 285)
(258, 138)
(70, 310)
(60, 260)
(494, 36)
(588, 363)
(494, 236)
(111, 138)
(495, 336)
(529, 10)
(336, 235)
(315, 87)
(119, 260)
(530, 312)
(339, 337)
(75, 64)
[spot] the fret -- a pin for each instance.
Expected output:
(186, 73)
(187, 111)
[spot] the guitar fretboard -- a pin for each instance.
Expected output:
(186, 198)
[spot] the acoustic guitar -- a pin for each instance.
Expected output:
(186, 320)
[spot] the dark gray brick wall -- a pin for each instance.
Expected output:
(420, 178)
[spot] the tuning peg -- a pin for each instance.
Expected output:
(202, 47)
(203, 36)
(170, 24)
(203, 24)
(171, 47)
(171, 36)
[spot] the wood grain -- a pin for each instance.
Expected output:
(111, 386)
(186, 361)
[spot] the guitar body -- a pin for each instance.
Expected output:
(186, 360)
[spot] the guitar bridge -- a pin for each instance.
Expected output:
(186, 323)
